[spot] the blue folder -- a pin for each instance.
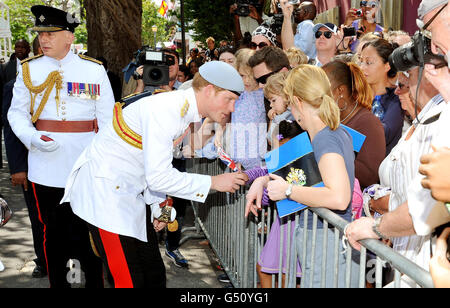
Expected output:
(295, 162)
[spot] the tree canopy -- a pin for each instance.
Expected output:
(209, 18)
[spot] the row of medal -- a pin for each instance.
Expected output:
(83, 90)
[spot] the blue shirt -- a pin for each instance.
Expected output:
(393, 118)
(304, 38)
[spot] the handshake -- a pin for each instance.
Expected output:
(43, 143)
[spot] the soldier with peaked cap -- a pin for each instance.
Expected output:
(60, 100)
(129, 166)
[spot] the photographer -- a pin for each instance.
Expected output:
(421, 213)
(246, 16)
(304, 36)
(364, 20)
(173, 83)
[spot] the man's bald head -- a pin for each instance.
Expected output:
(306, 11)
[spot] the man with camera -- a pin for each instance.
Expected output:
(421, 214)
(160, 76)
(304, 36)
(247, 16)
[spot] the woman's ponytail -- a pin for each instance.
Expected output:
(329, 112)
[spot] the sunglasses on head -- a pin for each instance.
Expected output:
(327, 34)
(260, 45)
(372, 4)
(263, 78)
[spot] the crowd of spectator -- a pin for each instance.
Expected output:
(319, 77)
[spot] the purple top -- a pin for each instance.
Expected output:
(255, 173)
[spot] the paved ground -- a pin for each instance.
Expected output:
(17, 254)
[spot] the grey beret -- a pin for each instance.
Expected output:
(222, 75)
(428, 5)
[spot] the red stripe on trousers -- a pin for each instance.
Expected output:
(115, 256)
(45, 226)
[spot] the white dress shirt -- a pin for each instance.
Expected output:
(112, 181)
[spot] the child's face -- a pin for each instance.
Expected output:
(277, 104)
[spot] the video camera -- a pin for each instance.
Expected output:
(243, 7)
(416, 53)
(278, 18)
(156, 66)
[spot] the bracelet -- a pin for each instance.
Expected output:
(375, 226)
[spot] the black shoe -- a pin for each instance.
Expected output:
(224, 278)
(39, 272)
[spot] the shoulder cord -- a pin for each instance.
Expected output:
(53, 79)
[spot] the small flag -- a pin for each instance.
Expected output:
(163, 9)
(226, 159)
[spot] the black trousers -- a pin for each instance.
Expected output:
(65, 237)
(37, 228)
(131, 262)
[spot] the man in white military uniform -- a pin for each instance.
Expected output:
(129, 165)
(59, 102)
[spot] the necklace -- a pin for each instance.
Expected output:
(356, 105)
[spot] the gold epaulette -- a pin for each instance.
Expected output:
(30, 59)
(90, 59)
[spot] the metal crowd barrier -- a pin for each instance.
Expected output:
(237, 242)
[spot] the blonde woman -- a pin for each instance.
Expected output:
(315, 110)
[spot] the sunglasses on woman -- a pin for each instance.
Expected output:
(327, 34)
(260, 45)
(372, 4)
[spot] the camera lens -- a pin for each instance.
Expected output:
(155, 74)
(403, 58)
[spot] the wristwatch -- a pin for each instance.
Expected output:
(289, 191)
(375, 227)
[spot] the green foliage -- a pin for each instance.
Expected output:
(150, 17)
(81, 35)
(22, 20)
(209, 18)
(20, 17)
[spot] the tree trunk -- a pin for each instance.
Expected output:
(114, 30)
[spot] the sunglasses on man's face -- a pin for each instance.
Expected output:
(327, 34)
(260, 45)
(371, 4)
(263, 78)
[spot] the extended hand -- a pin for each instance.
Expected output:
(228, 182)
(255, 194)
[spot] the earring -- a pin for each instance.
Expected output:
(341, 98)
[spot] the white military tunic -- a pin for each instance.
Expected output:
(52, 168)
(106, 184)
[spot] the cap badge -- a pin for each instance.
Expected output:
(42, 18)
